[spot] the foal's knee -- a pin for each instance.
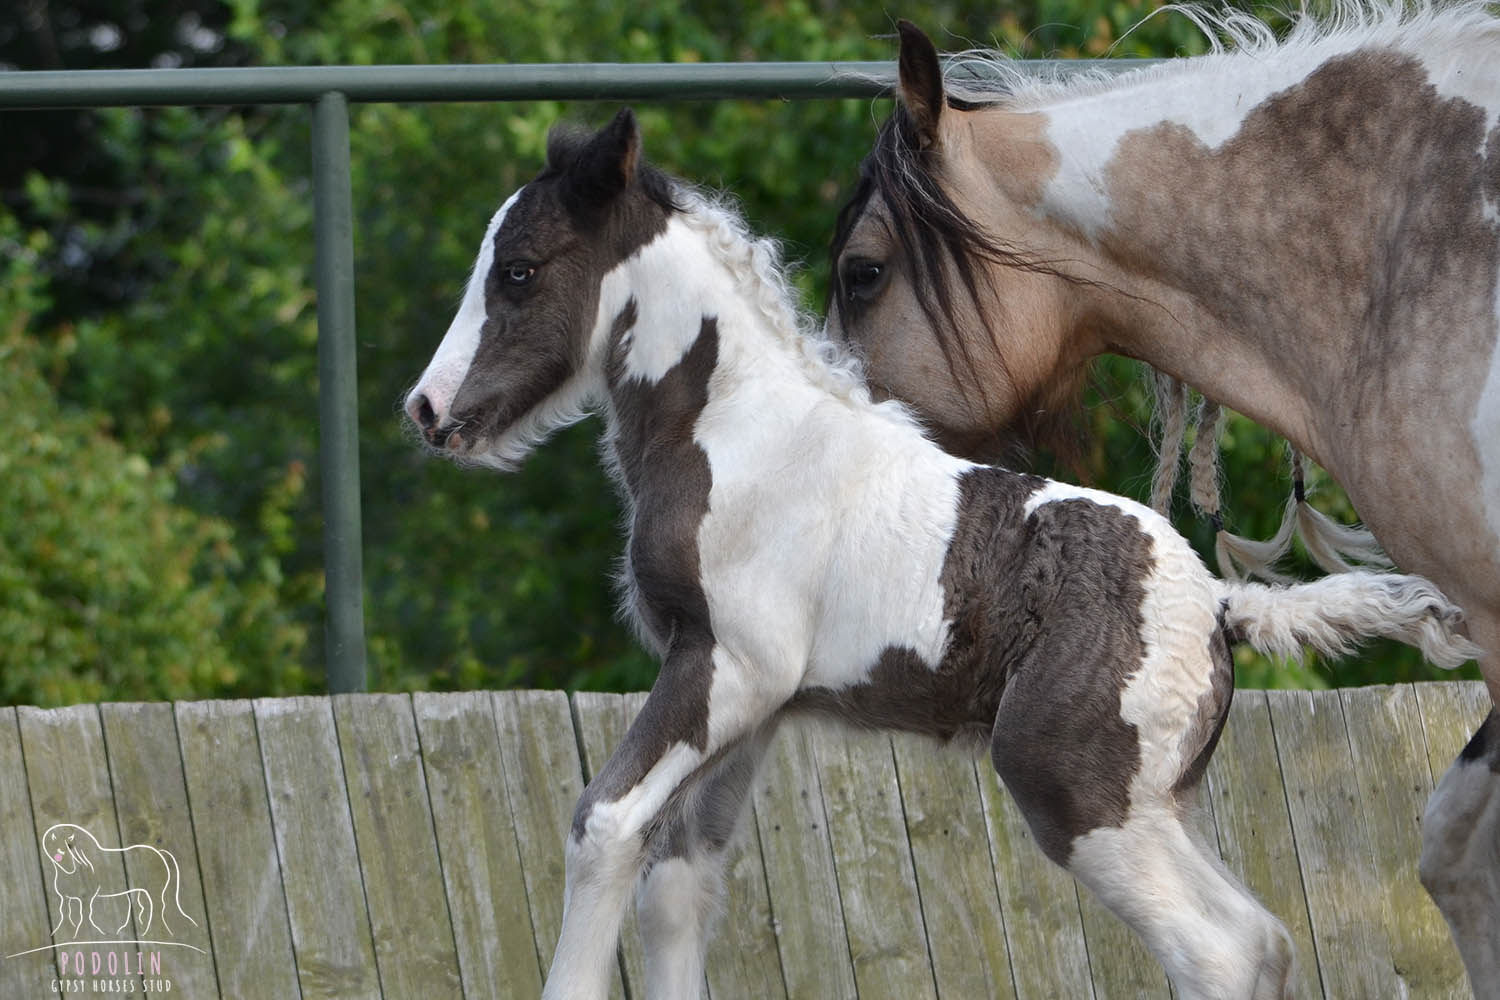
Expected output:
(677, 904)
(601, 843)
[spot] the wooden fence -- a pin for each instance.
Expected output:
(386, 845)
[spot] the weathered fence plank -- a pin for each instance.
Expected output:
(1344, 896)
(150, 789)
(955, 876)
(392, 846)
(744, 961)
(414, 948)
(793, 828)
(1385, 735)
(1043, 925)
(314, 831)
(1255, 826)
(27, 961)
(68, 773)
(1450, 714)
(877, 883)
(543, 779)
(245, 904)
(476, 836)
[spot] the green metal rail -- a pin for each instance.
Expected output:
(328, 90)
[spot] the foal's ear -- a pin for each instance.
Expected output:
(921, 79)
(607, 163)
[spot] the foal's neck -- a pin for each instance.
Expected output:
(692, 313)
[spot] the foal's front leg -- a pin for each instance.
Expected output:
(681, 895)
(671, 739)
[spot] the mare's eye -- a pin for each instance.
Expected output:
(519, 272)
(862, 277)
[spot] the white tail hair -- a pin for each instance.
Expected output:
(1336, 613)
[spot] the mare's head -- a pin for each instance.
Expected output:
(964, 324)
(525, 353)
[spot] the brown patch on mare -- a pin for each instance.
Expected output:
(667, 478)
(964, 350)
(1340, 235)
(983, 151)
(1492, 168)
(1013, 149)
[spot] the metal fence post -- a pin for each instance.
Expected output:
(338, 411)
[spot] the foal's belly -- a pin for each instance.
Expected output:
(902, 692)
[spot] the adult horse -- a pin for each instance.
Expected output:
(1305, 230)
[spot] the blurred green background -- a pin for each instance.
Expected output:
(159, 527)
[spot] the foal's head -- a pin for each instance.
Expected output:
(966, 326)
(524, 355)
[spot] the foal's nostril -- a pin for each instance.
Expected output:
(421, 412)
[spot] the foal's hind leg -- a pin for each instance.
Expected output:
(1461, 855)
(681, 895)
(1103, 761)
(1213, 938)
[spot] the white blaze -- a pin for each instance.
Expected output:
(448, 367)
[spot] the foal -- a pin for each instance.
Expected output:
(796, 547)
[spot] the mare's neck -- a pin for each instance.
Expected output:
(1211, 206)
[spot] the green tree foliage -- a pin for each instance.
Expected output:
(181, 408)
(108, 587)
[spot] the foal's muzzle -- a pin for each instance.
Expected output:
(437, 432)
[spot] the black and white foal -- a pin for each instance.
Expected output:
(796, 547)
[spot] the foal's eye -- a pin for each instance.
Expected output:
(518, 272)
(862, 277)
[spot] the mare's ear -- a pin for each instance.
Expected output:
(606, 164)
(921, 86)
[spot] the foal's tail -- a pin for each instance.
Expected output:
(1338, 612)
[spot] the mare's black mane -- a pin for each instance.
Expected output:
(942, 246)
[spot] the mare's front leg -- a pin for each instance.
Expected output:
(1460, 865)
(670, 740)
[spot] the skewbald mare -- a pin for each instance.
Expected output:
(1304, 229)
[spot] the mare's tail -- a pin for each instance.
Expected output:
(1338, 612)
